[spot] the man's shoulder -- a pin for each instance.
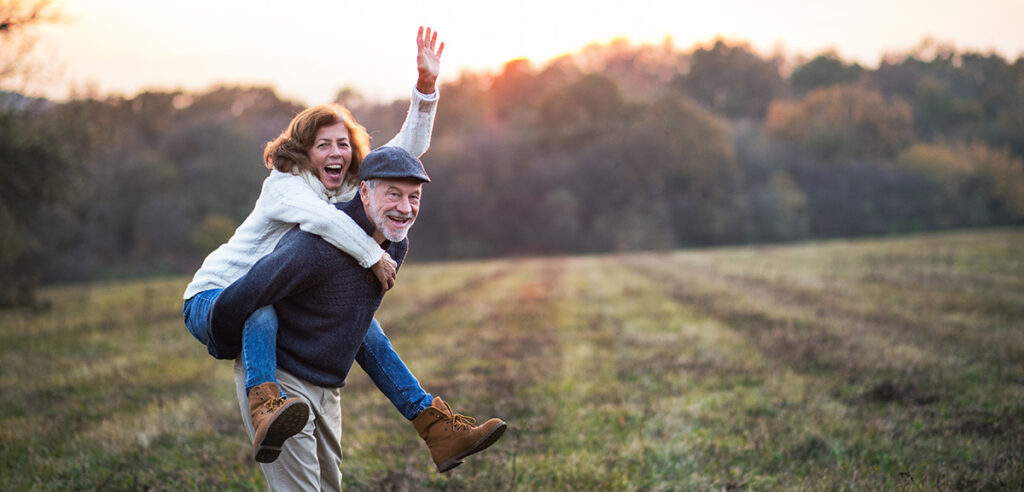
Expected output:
(301, 241)
(306, 244)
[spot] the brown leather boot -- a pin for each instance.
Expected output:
(451, 436)
(274, 419)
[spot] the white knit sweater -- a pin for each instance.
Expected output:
(289, 199)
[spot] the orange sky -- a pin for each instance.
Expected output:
(311, 48)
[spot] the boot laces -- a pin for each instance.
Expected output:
(273, 403)
(460, 421)
(457, 420)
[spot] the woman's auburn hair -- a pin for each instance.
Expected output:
(291, 148)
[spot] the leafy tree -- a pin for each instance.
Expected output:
(589, 107)
(843, 121)
(39, 178)
(956, 199)
(959, 96)
(984, 183)
(683, 155)
(863, 196)
(1009, 115)
(769, 205)
(513, 92)
(213, 231)
(1003, 174)
(824, 70)
(465, 107)
(733, 80)
(642, 71)
(607, 149)
(938, 112)
(38, 175)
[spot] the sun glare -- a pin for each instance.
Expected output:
(309, 49)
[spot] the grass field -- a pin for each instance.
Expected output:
(894, 364)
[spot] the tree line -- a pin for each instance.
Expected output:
(618, 147)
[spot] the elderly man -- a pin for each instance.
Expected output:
(325, 302)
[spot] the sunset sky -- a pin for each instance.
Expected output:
(311, 48)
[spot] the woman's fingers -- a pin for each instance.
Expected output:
(427, 37)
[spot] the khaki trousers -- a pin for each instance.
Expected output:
(311, 459)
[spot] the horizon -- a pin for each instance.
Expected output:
(89, 52)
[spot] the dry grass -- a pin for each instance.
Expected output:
(876, 364)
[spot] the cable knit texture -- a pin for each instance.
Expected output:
(289, 199)
(324, 302)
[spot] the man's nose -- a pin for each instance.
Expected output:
(404, 206)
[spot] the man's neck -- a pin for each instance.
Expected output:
(378, 236)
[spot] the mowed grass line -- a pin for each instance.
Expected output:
(607, 383)
(479, 350)
(110, 392)
(566, 354)
(945, 385)
(113, 393)
(870, 365)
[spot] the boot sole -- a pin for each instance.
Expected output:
(484, 443)
(289, 421)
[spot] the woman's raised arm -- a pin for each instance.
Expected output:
(414, 136)
(428, 61)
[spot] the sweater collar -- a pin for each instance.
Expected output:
(345, 193)
(354, 209)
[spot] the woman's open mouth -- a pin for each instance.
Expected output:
(333, 170)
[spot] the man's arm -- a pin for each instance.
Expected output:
(293, 266)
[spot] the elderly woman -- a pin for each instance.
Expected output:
(314, 163)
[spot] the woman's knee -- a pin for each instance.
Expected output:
(194, 321)
(375, 335)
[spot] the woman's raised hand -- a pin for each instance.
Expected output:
(428, 61)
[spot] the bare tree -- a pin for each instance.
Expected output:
(18, 20)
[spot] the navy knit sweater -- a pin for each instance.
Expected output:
(324, 302)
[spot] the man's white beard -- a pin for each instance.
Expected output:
(381, 220)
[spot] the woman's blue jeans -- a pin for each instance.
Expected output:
(376, 356)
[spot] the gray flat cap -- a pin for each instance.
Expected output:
(392, 163)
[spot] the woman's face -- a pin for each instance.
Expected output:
(331, 155)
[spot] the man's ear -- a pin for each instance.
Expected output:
(364, 193)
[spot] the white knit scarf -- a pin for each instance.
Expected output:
(346, 193)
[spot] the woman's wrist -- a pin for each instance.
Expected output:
(426, 85)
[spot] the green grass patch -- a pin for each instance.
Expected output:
(872, 364)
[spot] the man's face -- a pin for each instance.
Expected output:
(392, 205)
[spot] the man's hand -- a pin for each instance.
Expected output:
(385, 270)
(428, 61)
